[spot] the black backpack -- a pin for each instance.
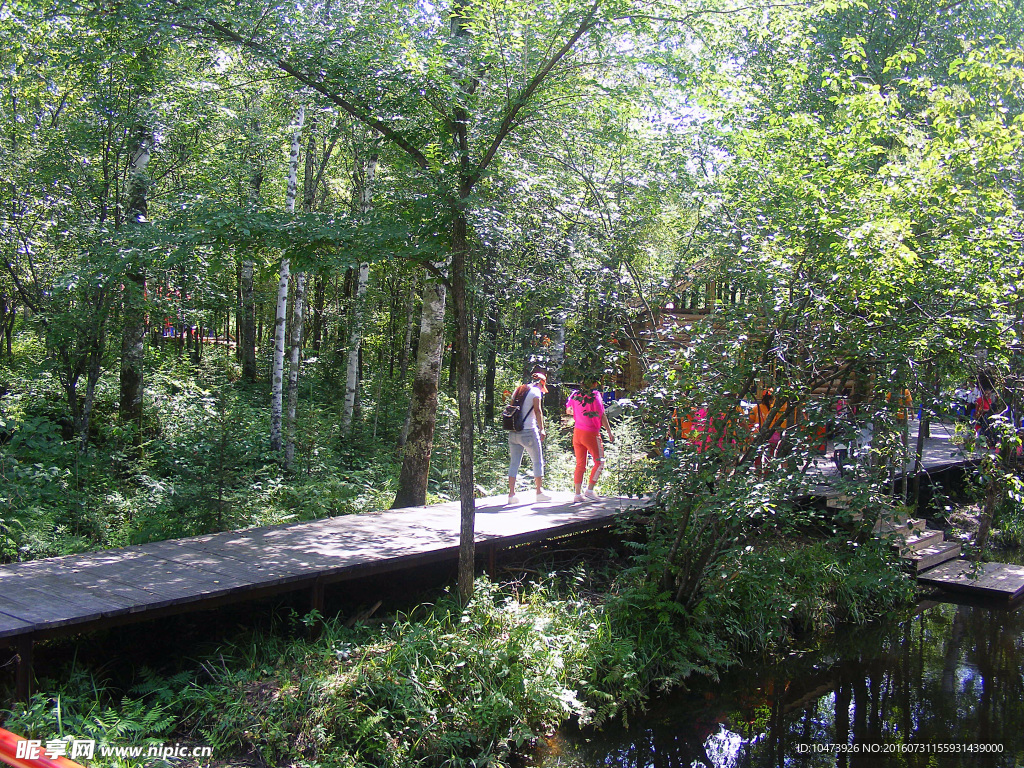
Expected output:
(512, 417)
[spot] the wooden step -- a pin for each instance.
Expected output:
(906, 527)
(898, 523)
(918, 540)
(929, 557)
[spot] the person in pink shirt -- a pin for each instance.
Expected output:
(587, 410)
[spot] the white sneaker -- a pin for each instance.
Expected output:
(578, 498)
(593, 495)
(512, 501)
(541, 496)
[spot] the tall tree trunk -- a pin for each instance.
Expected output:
(363, 177)
(453, 364)
(412, 482)
(309, 184)
(95, 367)
(491, 333)
(247, 299)
(474, 363)
(403, 357)
(319, 294)
(354, 342)
(8, 314)
(84, 355)
(133, 337)
(293, 368)
(277, 378)
(247, 322)
(467, 527)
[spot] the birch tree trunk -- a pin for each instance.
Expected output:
(312, 177)
(133, 337)
(247, 310)
(298, 304)
(363, 176)
(281, 318)
(412, 482)
(293, 369)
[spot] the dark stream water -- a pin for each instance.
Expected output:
(947, 682)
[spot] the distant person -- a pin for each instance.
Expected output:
(865, 441)
(983, 417)
(530, 439)
(961, 396)
(709, 431)
(905, 403)
(972, 401)
(843, 424)
(679, 429)
(759, 417)
(586, 405)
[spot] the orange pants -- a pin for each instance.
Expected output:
(584, 442)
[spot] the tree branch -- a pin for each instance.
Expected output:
(224, 33)
(517, 106)
(723, 11)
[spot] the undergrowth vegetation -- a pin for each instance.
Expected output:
(466, 686)
(441, 685)
(204, 462)
(766, 597)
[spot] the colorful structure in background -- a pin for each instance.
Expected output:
(694, 308)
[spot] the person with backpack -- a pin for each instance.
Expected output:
(587, 410)
(524, 420)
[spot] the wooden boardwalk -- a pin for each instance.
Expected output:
(77, 593)
(938, 455)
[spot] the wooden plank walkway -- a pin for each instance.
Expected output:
(997, 580)
(78, 593)
(75, 593)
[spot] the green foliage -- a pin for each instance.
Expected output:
(1009, 519)
(846, 175)
(203, 465)
(449, 687)
(761, 599)
(83, 708)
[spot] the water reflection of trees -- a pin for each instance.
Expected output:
(951, 674)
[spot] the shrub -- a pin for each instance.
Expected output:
(447, 688)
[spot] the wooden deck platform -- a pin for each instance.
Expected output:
(938, 455)
(77, 593)
(998, 580)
